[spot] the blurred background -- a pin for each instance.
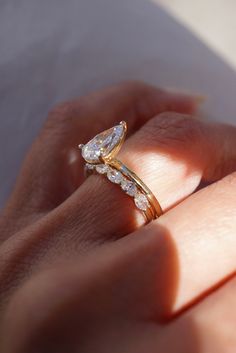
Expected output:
(212, 20)
(54, 50)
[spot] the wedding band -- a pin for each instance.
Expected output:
(99, 155)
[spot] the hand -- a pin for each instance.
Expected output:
(79, 274)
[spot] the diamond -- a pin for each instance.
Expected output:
(141, 202)
(129, 187)
(102, 168)
(103, 144)
(114, 176)
(89, 166)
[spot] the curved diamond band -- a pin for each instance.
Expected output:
(99, 154)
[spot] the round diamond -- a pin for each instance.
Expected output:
(141, 201)
(89, 166)
(129, 187)
(114, 176)
(102, 168)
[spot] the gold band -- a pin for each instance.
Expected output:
(156, 210)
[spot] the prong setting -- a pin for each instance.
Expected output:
(124, 124)
(101, 159)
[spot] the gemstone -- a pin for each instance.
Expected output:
(141, 201)
(89, 166)
(129, 187)
(114, 176)
(103, 143)
(102, 168)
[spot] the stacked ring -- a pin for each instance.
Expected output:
(99, 154)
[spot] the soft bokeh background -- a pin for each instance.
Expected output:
(53, 50)
(212, 20)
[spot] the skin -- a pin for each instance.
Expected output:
(79, 271)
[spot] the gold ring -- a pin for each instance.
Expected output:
(99, 154)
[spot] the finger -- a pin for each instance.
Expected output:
(77, 121)
(52, 169)
(209, 325)
(109, 290)
(131, 269)
(181, 153)
(203, 231)
(216, 330)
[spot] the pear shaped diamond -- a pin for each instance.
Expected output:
(103, 143)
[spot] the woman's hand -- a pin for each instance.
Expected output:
(79, 274)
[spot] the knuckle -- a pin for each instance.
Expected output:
(170, 127)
